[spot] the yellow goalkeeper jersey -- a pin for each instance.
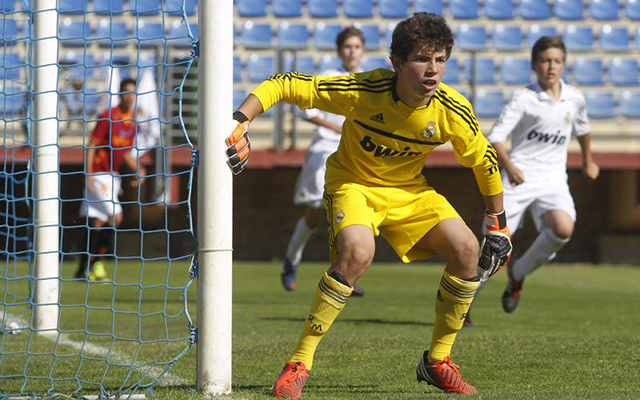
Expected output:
(384, 142)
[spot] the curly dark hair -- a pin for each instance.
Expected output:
(420, 30)
(544, 43)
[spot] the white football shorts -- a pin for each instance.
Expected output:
(101, 199)
(538, 196)
(310, 183)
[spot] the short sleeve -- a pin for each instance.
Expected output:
(581, 121)
(509, 118)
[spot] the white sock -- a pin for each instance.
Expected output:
(298, 241)
(542, 249)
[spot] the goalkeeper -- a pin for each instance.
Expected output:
(374, 186)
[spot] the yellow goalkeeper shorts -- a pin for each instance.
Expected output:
(401, 215)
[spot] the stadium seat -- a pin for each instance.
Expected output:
(471, 37)
(614, 38)
(498, 9)
(463, 9)
(11, 65)
(507, 37)
(535, 9)
(287, 8)
(147, 59)
(485, 71)
(260, 67)
(600, 105)
(393, 8)
(570, 10)
(251, 8)
(107, 7)
(371, 35)
(632, 9)
(453, 72)
(256, 36)
(358, 8)
(432, 6)
(112, 33)
(237, 69)
(630, 104)
(325, 35)
(578, 38)
(304, 64)
(178, 35)
(388, 35)
(322, 8)
(239, 95)
(370, 63)
(329, 61)
(12, 103)
(150, 34)
(588, 71)
(78, 7)
(146, 7)
(516, 71)
(174, 7)
(78, 64)
(9, 30)
(604, 9)
(489, 103)
(537, 31)
(111, 58)
(74, 33)
(292, 35)
(624, 71)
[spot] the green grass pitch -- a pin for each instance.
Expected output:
(575, 335)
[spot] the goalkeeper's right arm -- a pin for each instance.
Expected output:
(238, 142)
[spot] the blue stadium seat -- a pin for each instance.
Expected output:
(630, 104)
(174, 7)
(507, 37)
(78, 64)
(570, 10)
(578, 38)
(251, 8)
(489, 103)
(256, 36)
(74, 33)
(11, 65)
(293, 36)
(614, 38)
(485, 71)
(322, 8)
(624, 71)
(329, 61)
(498, 9)
(374, 62)
(453, 72)
(371, 35)
(178, 35)
(516, 71)
(535, 9)
(112, 33)
(604, 9)
(150, 34)
(304, 64)
(239, 95)
(358, 8)
(393, 8)
(12, 103)
(471, 37)
(146, 7)
(287, 8)
(107, 7)
(260, 67)
(632, 9)
(463, 9)
(147, 59)
(324, 35)
(78, 7)
(9, 30)
(432, 6)
(237, 69)
(111, 58)
(388, 34)
(600, 105)
(537, 31)
(588, 71)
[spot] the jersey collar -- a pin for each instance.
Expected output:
(543, 96)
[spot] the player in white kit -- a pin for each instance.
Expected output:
(541, 119)
(310, 183)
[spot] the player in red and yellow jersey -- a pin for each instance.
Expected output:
(109, 147)
(374, 186)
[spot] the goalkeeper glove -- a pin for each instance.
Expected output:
(496, 247)
(238, 142)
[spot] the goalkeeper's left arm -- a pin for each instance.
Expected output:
(238, 142)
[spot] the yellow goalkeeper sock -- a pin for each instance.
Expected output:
(329, 300)
(452, 304)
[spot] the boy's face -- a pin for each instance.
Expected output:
(549, 66)
(351, 53)
(127, 100)
(420, 75)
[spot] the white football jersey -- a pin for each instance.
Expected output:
(540, 129)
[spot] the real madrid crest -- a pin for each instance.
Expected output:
(429, 131)
(567, 118)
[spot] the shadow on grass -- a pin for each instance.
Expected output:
(376, 321)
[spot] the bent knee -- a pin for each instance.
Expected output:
(360, 256)
(563, 231)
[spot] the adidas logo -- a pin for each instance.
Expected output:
(377, 118)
